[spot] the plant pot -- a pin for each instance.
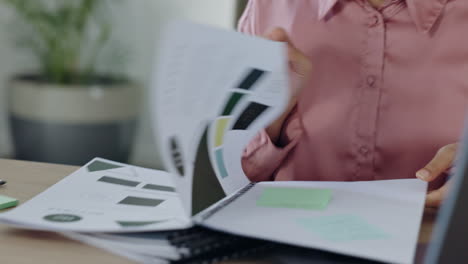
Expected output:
(72, 124)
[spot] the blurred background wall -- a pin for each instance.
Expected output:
(138, 23)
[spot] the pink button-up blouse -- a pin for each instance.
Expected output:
(388, 89)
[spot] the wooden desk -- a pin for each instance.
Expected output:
(27, 179)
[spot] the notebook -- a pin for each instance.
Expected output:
(204, 124)
(193, 245)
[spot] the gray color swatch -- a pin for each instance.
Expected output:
(138, 201)
(159, 188)
(117, 181)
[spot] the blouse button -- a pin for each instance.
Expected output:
(364, 151)
(374, 21)
(371, 81)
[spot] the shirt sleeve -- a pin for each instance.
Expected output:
(247, 22)
(262, 157)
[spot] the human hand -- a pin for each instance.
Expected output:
(299, 63)
(441, 163)
(300, 67)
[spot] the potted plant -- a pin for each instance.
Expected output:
(76, 105)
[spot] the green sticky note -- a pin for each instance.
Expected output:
(7, 202)
(299, 198)
(342, 228)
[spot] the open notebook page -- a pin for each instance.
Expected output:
(378, 220)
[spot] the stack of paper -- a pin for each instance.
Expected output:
(194, 245)
(213, 92)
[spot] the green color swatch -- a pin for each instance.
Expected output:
(231, 104)
(100, 166)
(7, 202)
(137, 224)
(342, 228)
(300, 198)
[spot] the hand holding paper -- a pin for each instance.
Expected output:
(300, 66)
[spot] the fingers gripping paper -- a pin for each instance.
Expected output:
(215, 90)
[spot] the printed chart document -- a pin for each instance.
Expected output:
(105, 196)
(213, 91)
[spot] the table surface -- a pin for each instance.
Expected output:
(27, 179)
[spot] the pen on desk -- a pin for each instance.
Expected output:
(2, 182)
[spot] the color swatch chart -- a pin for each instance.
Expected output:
(227, 121)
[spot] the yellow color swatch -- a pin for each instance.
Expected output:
(221, 125)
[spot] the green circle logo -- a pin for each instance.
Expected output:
(62, 218)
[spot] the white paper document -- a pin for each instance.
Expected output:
(376, 220)
(214, 90)
(104, 196)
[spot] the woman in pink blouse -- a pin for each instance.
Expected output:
(380, 90)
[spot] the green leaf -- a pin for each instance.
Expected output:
(62, 36)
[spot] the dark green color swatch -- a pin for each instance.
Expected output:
(249, 115)
(137, 224)
(251, 79)
(233, 101)
(101, 166)
(117, 181)
(139, 201)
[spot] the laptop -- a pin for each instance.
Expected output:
(448, 244)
